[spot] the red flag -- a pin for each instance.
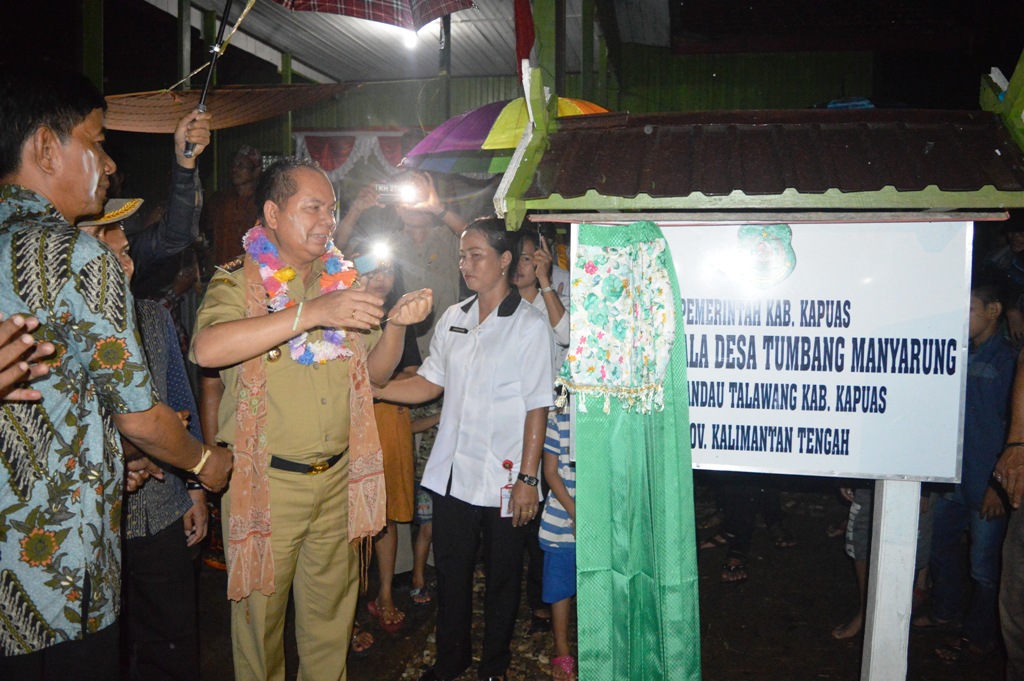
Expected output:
(524, 33)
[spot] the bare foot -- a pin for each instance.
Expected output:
(850, 629)
(362, 641)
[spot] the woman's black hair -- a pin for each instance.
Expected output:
(498, 238)
(531, 234)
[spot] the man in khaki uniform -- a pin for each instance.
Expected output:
(298, 390)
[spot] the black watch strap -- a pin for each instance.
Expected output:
(528, 479)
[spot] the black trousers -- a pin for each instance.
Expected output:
(93, 658)
(161, 636)
(458, 530)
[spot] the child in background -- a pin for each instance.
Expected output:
(558, 539)
(975, 505)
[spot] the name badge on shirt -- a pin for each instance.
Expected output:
(458, 329)
(506, 501)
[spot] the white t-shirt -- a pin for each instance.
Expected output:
(492, 374)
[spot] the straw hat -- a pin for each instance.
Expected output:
(115, 210)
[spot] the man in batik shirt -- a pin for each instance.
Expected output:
(62, 472)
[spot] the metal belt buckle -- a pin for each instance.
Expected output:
(318, 467)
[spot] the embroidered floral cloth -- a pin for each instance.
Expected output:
(622, 324)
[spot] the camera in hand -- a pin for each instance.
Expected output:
(396, 192)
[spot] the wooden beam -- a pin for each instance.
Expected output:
(609, 23)
(755, 217)
(445, 67)
(559, 46)
(1008, 104)
(519, 176)
(184, 43)
(890, 579)
(587, 51)
(544, 21)
(549, 27)
(286, 124)
(833, 199)
(92, 41)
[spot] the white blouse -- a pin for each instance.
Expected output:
(492, 373)
(559, 332)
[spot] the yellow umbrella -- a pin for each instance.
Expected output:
(509, 126)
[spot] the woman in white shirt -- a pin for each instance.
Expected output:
(533, 280)
(491, 357)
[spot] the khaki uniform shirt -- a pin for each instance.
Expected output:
(307, 406)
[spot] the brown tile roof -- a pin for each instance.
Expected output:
(764, 153)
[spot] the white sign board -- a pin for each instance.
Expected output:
(830, 349)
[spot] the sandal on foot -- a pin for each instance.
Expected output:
(421, 597)
(563, 668)
(380, 614)
(362, 642)
(734, 573)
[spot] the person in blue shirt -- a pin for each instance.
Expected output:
(64, 473)
(976, 505)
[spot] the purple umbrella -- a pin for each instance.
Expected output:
(465, 132)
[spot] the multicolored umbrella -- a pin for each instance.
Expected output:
(482, 140)
(508, 128)
(410, 14)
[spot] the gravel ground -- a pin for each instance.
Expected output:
(774, 627)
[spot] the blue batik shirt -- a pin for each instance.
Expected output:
(62, 478)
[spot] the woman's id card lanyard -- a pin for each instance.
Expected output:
(506, 491)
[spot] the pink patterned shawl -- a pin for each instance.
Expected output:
(250, 559)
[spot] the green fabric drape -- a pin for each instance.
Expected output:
(638, 607)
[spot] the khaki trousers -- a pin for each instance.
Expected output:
(313, 557)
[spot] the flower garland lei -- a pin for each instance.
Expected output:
(338, 274)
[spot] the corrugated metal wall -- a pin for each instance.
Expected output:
(652, 81)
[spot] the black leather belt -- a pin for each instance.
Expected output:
(305, 468)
